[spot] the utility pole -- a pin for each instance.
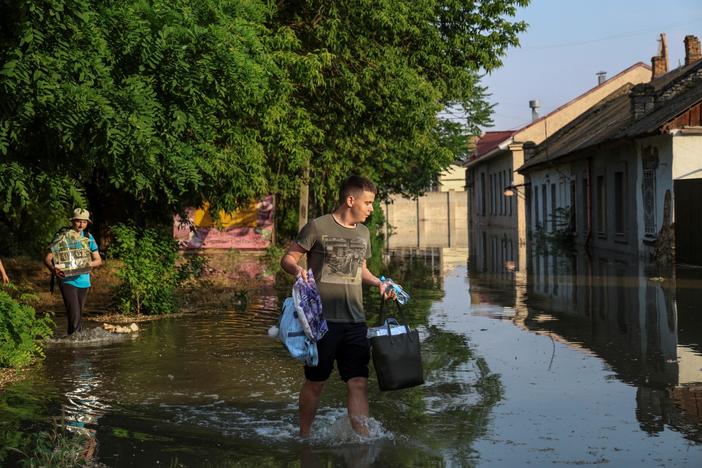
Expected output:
(304, 198)
(303, 211)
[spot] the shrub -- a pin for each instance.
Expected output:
(54, 447)
(193, 267)
(20, 331)
(271, 259)
(562, 237)
(148, 277)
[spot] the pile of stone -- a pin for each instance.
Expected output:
(132, 328)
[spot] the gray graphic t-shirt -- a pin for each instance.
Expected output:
(335, 254)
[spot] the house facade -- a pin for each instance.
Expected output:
(612, 176)
(492, 167)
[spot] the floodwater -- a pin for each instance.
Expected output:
(585, 361)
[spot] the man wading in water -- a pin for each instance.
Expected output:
(337, 246)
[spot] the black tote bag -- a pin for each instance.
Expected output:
(397, 358)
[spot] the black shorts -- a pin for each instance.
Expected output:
(346, 343)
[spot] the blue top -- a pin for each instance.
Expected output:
(82, 281)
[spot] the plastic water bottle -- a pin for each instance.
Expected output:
(400, 294)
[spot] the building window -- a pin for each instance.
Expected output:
(491, 183)
(536, 206)
(601, 205)
(483, 194)
(649, 202)
(554, 217)
(510, 182)
(500, 195)
(586, 207)
(571, 221)
(619, 216)
(504, 199)
(544, 206)
(493, 197)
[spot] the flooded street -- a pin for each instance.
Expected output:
(585, 361)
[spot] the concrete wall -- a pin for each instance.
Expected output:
(437, 219)
(687, 163)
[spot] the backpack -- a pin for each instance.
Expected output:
(292, 335)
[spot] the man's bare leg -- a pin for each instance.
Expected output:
(357, 404)
(308, 403)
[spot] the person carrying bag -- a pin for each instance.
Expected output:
(396, 353)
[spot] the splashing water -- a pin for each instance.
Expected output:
(90, 336)
(334, 428)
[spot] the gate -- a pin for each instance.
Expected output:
(688, 228)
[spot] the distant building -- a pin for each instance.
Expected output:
(452, 179)
(626, 175)
(491, 171)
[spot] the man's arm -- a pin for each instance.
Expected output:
(371, 280)
(289, 262)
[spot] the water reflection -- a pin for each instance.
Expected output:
(617, 308)
(213, 389)
(581, 363)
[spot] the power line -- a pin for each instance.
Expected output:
(614, 36)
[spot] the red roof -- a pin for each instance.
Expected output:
(489, 141)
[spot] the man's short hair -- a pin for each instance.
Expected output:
(355, 186)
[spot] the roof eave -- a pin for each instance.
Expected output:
(504, 145)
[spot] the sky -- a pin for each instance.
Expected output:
(569, 41)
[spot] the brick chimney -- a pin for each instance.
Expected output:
(692, 49)
(659, 63)
(642, 100)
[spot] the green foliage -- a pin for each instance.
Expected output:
(375, 224)
(57, 447)
(33, 206)
(149, 275)
(272, 259)
(193, 267)
(20, 408)
(145, 108)
(20, 330)
(369, 103)
(149, 105)
(562, 238)
(54, 448)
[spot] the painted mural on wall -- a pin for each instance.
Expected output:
(247, 228)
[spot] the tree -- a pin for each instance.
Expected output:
(141, 108)
(388, 68)
(146, 107)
